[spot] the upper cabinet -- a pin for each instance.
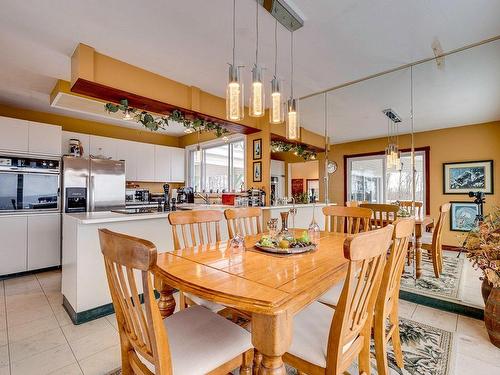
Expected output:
(44, 139)
(14, 134)
(128, 151)
(145, 162)
(102, 147)
(177, 164)
(83, 138)
(163, 157)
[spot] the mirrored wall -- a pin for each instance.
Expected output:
(455, 105)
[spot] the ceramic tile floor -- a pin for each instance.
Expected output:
(37, 337)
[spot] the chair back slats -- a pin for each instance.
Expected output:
(197, 227)
(351, 324)
(245, 221)
(128, 261)
(350, 220)
(438, 230)
(389, 287)
(383, 214)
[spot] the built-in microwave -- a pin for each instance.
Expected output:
(29, 184)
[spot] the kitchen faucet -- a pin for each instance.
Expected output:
(204, 197)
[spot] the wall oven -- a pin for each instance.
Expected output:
(29, 184)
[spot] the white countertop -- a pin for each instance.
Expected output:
(109, 217)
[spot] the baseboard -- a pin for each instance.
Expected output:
(94, 313)
(25, 273)
(457, 308)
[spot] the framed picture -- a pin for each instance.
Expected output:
(460, 178)
(297, 186)
(257, 149)
(463, 216)
(257, 171)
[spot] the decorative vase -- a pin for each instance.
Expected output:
(284, 234)
(486, 290)
(492, 316)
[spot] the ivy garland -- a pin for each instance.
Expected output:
(154, 123)
(298, 149)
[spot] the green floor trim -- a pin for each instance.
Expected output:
(95, 313)
(457, 308)
(25, 273)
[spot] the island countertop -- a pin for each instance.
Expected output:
(109, 217)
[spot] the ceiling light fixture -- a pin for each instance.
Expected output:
(292, 118)
(234, 91)
(127, 115)
(256, 106)
(277, 105)
(392, 154)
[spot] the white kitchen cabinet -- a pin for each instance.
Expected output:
(163, 157)
(177, 163)
(44, 139)
(128, 152)
(83, 138)
(145, 162)
(14, 134)
(13, 250)
(102, 147)
(44, 241)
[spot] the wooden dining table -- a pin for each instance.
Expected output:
(270, 288)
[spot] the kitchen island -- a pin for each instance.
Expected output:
(84, 283)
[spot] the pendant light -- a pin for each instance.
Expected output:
(392, 154)
(257, 103)
(276, 110)
(234, 90)
(292, 117)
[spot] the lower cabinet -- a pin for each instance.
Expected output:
(44, 241)
(13, 234)
(29, 242)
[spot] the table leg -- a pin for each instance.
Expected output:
(166, 303)
(271, 337)
(418, 250)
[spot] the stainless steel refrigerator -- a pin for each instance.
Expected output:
(92, 184)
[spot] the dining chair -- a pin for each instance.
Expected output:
(354, 203)
(192, 341)
(193, 228)
(433, 242)
(350, 220)
(387, 305)
(246, 221)
(326, 340)
(383, 214)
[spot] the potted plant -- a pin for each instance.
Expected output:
(482, 247)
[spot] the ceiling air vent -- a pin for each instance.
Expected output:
(284, 13)
(393, 116)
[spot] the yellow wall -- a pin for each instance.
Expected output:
(90, 127)
(466, 143)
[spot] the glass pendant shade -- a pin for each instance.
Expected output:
(127, 115)
(276, 109)
(292, 120)
(257, 103)
(234, 96)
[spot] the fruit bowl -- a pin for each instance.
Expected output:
(290, 246)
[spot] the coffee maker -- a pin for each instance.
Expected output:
(185, 195)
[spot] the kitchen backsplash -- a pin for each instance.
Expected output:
(154, 187)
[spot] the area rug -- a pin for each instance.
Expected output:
(426, 350)
(448, 284)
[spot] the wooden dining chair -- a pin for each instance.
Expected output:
(354, 203)
(350, 220)
(245, 221)
(326, 340)
(433, 244)
(193, 228)
(383, 214)
(387, 305)
(192, 341)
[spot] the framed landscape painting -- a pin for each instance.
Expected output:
(460, 178)
(463, 216)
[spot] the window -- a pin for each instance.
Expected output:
(369, 180)
(218, 166)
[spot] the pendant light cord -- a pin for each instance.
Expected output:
(257, 32)
(234, 29)
(275, 47)
(291, 63)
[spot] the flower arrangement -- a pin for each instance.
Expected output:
(483, 247)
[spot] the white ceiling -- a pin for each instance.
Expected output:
(464, 90)
(190, 41)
